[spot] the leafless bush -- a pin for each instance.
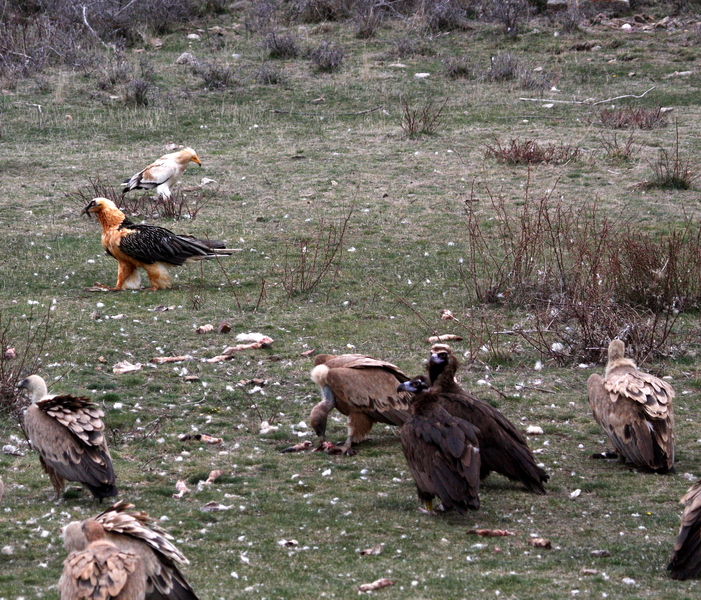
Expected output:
(509, 13)
(423, 120)
(21, 348)
(215, 75)
(261, 16)
(406, 47)
(618, 151)
(583, 277)
(530, 152)
(367, 18)
(269, 75)
(460, 67)
(282, 45)
(671, 171)
(444, 15)
(309, 259)
(327, 57)
(316, 11)
(571, 19)
(630, 117)
(181, 205)
(504, 67)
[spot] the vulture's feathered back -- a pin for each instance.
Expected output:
(635, 411)
(163, 173)
(503, 447)
(685, 561)
(101, 570)
(360, 387)
(441, 450)
(67, 432)
(154, 249)
(134, 531)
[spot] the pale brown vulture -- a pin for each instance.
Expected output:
(67, 432)
(503, 447)
(162, 174)
(362, 388)
(134, 531)
(441, 450)
(101, 571)
(685, 561)
(635, 411)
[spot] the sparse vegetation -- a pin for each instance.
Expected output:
(536, 265)
(531, 152)
(630, 117)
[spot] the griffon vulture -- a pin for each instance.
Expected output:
(441, 450)
(154, 249)
(102, 571)
(162, 174)
(133, 531)
(635, 411)
(67, 432)
(685, 561)
(503, 447)
(362, 388)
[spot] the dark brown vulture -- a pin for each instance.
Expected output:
(66, 431)
(635, 411)
(503, 448)
(441, 450)
(133, 531)
(101, 571)
(685, 561)
(362, 388)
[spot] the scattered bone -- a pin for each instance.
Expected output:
(201, 437)
(266, 428)
(252, 337)
(297, 447)
(214, 506)
(329, 448)
(191, 378)
(229, 351)
(125, 367)
(10, 354)
(576, 493)
(310, 352)
(491, 532)
(15, 451)
(585, 571)
(224, 327)
(447, 315)
(161, 360)
(254, 381)
(534, 430)
(214, 475)
(204, 328)
(181, 488)
(375, 585)
(539, 542)
(600, 553)
(163, 308)
(98, 287)
(447, 337)
(288, 543)
(374, 551)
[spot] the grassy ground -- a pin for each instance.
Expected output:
(290, 161)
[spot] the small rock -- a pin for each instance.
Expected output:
(186, 59)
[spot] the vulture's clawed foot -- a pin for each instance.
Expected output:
(425, 511)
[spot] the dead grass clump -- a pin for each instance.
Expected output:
(583, 277)
(422, 120)
(215, 75)
(504, 67)
(269, 75)
(316, 11)
(530, 152)
(406, 47)
(443, 15)
(572, 19)
(282, 45)
(460, 67)
(630, 117)
(367, 18)
(327, 57)
(310, 259)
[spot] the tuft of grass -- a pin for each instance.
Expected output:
(422, 120)
(671, 171)
(530, 152)
(327, 57)
(630, 117)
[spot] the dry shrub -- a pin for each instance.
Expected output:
(282, 45)
(269, 75)
(327, 57)
(423, 120)
(617, 151)
(507, 67)
(181, 205)
(460, 67)
(530, 152)
(316, 11)
(630, 117)
(367, 18)
(583, 277)
(21, 348)
(509, 13)
(671, 171)
(216, 75)
(406, 47)
(309, 259)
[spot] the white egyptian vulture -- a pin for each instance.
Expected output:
(162, 174)
(101, 570)
(635, 411)
(362, 388)
(134, 531)
(67, 432)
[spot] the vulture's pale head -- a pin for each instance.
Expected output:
(188, 154)
(34, 387)
(617, 349)
(97, 205)
(73, 536)
(440, 353)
